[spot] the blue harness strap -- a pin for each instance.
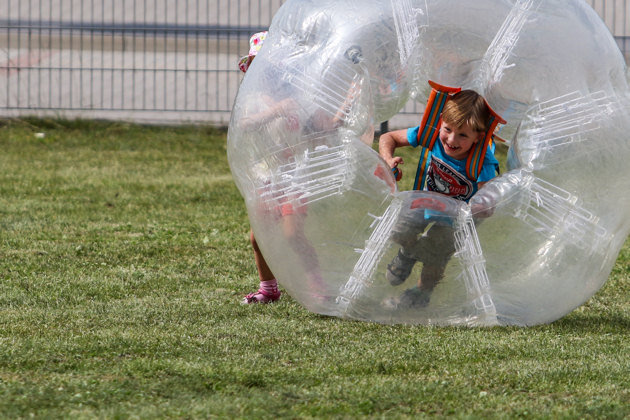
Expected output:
(423, 169)
(429, 130)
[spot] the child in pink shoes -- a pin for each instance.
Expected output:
(292, 218)
(268, 291)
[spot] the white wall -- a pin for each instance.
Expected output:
(147, 74)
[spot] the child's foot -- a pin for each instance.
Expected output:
(316, 286)
(267, 293)
(415, 298)
(399, 269)
(261, 296)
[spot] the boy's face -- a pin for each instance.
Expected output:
(457, 141)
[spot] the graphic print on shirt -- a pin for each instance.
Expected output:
(444, 179)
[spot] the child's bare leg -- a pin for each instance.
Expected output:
(264, 272)
(268, 290)
(293, 226)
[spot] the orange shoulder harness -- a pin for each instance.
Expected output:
(430, 128)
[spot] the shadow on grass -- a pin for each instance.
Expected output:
(594, 323)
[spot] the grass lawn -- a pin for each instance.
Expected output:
(124, 253)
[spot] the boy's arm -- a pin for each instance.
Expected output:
(389, 142)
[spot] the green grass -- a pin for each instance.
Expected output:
(123, 255)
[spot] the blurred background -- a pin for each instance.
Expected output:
(153, 61)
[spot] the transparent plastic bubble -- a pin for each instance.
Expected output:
(533, 244)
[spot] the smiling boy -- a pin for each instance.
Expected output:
(465, 121)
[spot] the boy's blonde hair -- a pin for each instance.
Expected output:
(468, 107)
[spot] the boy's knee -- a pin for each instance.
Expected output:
(405, 239)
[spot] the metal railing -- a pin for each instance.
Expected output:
(156, 60)
(145, 60)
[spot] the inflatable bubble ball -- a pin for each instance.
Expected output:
(531, 245)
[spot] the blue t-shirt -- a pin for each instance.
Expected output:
(447, 176)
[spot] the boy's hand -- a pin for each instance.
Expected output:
(394, 161)
(389, 142)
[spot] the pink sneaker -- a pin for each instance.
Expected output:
(261, 297)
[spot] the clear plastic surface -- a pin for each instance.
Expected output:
(532, 245)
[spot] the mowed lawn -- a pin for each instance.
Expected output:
(124, 253)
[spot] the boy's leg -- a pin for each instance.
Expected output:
(438, 248)
(406, 235)
(431, 276)
(434, 250)
(400, 268)
(268, 290)
(420, 295)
